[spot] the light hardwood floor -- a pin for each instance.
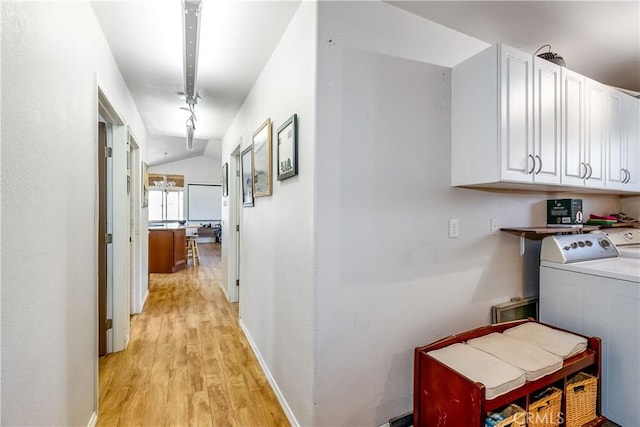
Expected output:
(188, 362)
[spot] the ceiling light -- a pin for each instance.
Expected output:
(190, 129)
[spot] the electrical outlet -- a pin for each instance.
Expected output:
(454, 230)
(493, 226)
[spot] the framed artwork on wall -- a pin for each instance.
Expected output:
(261, 143)
(287, 145)
(246, 161)
(224, 179)
(145, 184)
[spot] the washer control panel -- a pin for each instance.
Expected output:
(622, 236)
(567, 248)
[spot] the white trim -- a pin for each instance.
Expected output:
(285, 407)
(93, 420)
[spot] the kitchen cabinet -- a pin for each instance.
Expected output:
(505, 115)
(521, 122)
(622, 141)
(167, 250)
(583, 126)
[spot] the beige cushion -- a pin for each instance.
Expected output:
(534, 361)
(561, 343)
(497, 376)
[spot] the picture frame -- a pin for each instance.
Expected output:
(246, 172)
(287, 144)
(145, 184)
(262, 161)
(225, 179)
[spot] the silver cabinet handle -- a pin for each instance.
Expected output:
(590, 171)
(627, 176)
(539, 164)
(533, 166)
(582, 175)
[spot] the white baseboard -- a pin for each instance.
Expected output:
(285, 406)
(144, 299)
(93, 420)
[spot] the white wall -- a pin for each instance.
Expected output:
(277, 276)
(196, 170)
(202, 169)
(389, 278)
(53, 57)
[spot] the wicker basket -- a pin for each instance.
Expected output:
(546, 411)
(514, 415)
(582, 393)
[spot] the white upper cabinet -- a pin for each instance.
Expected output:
(505, 115)
(595, 136)
(516, 116)
(547, 143)
(518, 121)
(622, 141)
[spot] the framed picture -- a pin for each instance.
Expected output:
(246, 160)
(145, 184)
(287, 140)
(262, 160)
(225, 180)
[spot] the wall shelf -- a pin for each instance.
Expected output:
(539, 233)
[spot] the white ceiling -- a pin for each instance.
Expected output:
(236, 40)
(599, 39)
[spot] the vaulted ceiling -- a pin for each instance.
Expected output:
(599, 39)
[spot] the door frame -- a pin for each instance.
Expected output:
(232, 241)
(119, 292)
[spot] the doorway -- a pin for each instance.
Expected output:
(113, 229)
(233, 240)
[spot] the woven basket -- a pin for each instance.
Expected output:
(582, 393)
(514, 415)
(545, 412)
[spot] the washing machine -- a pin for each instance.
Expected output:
(626, 239)
(588, 288)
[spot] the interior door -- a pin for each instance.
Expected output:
(102, 241)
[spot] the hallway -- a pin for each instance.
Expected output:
(188, 362)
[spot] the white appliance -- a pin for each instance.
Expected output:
(586, 287)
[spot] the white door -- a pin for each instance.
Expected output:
(615, 144)
(574, 168)
(516, 116)
(546, 120)
(632, 142)
(595, 135)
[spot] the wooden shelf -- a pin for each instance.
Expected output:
(445, 397)
(539, 233)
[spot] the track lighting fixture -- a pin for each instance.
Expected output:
(191, 38)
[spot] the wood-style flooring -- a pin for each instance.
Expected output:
(188, 362)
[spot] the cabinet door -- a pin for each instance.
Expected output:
(632, 142)
(573, 105)
(546, 119)
(616, 149)
(516, 131)
(595, 137)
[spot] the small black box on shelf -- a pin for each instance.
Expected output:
(564, 213)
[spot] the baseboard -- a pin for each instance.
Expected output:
(285, 407)
(144, 299)
(93, 420)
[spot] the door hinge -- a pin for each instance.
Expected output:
(108, 238)
(108, 151)
(237, 282)
(109, 323)
(237, 227)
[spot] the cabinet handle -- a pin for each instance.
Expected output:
(533, 166)
(627, 176)
(539, 164)
(590, 170)
(582, 175)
